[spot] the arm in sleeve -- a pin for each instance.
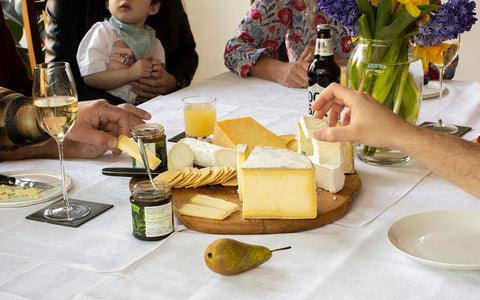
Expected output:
(261, 31)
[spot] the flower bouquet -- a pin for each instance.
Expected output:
(383, 60)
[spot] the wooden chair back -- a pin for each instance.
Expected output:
(30, 11)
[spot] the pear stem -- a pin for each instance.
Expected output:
(279, 249)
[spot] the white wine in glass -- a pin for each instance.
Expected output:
(56, 106)
(449, 53)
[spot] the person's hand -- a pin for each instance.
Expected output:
(160, 83)
(141, 68)
(294, 74)
(97, 126)
(367, 121)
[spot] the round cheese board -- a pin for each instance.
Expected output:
(330, 207)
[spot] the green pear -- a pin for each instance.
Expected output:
(229, 257)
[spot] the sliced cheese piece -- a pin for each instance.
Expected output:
(349, 161)
(327, 153)
(292, 145)
(202, 211)
(241, 158)
(311, 124)
(180, 156)
(230, 133)
(287, 138)
(131, 147)
(205, 200)
(329, 177)
(206, 154)
(278, 184)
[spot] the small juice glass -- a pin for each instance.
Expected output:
(199, 113)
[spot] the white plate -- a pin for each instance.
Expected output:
(446, 239)
(47, 176)
(432, 90)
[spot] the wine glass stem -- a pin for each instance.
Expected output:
(62, 172)
(440, 97)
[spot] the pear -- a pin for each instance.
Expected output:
(229, 257)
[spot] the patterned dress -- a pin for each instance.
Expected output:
(268, 23)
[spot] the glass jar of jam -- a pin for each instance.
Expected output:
(155, 141)
(152, 210)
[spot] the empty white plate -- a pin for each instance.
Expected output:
(446, 239)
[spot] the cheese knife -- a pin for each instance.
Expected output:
(24, 182)
(128, 172)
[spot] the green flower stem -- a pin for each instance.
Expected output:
(399, 93)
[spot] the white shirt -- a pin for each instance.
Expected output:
(102, 49)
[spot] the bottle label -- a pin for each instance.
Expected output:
(324, 47)
(313, 92)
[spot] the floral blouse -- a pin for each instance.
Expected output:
(270, 22)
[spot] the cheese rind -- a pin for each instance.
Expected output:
(278, 184)
(208, 155)
(349, 161)
(230, 133)
(131, 147)
(241, 158)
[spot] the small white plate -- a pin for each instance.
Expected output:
(47, 176)
(432, 90)
(446, 239)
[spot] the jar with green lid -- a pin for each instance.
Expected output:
(155, 141)
(152, 210)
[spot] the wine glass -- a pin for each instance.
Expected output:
(449, 53)
(56, 106)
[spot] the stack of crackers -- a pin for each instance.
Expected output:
(191, 177)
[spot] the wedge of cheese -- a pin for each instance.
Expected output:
(131, 147)
(241, 158)
(327, 153)
(206, 154)
(278, 184)
(329, 177)
(230, 133)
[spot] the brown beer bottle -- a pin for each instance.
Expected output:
(323, 70)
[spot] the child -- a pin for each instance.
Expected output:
(122, 49)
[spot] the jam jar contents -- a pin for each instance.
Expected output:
(152, 210)
(155, 141)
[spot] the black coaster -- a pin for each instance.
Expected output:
(460, 132)
(177, 137)
(95, 210)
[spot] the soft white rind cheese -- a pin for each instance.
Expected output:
(329, 177)
(209, 155)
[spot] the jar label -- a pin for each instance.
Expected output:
(148, 146)
(324, 47)
(313, 92)
(152, 221)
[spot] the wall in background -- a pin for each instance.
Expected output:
(213, 22)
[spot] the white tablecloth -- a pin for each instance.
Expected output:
(350, 258)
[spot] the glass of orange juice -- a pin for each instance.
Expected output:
(200, 115)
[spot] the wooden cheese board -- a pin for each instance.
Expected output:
(330, 207)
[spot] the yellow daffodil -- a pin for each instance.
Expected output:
(431, 54)
(375, 3)
(411, 6)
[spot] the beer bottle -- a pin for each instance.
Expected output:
(323, 70)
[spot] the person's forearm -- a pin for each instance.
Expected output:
(268, 68)
(108, 80)
(452, 158)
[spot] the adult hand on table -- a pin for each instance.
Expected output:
(371, 123)
(97, 126)
(159, 83)
(292, 74)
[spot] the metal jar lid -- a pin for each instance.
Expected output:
(147, 131)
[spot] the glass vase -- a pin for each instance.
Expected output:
(393, 75)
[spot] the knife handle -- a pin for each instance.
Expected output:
(7, 180)
(128, 172)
